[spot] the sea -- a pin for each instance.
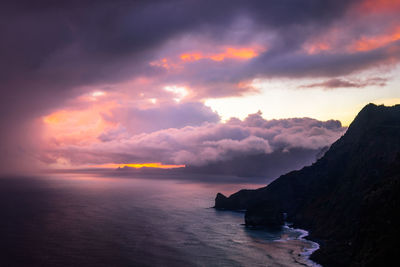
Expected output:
(89, 219)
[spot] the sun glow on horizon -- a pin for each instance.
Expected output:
(157, 165)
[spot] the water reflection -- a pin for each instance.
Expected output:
(91, 220)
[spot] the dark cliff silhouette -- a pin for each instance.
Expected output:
(349, 199)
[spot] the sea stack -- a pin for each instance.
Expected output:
(349, 199)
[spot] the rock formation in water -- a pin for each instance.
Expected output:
(349, 199)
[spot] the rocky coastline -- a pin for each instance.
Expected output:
(348, 200)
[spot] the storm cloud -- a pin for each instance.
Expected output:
(54, 52)
(207, 143)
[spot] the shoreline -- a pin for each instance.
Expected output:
(306, 251)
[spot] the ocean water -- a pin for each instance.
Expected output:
(89, 220)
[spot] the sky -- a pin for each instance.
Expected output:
(177, 83)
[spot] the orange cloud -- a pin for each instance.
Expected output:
(228, 53)
(191, 57)
(330, 41)
(157, 165)
(70, 126)
(55, 118)
(163, 63)
(317, 47)
(378, 6)
(370, 43)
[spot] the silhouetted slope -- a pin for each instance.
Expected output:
(348, 199)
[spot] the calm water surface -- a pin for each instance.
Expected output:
(84, 220)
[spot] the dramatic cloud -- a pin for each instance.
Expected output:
(137, 120)
(204, 144)
(158, 52)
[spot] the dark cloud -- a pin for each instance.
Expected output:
(218, 79)
(242, 168)
(340, 83)
(297, 65)
(38, 37)
(268, 166)
(208, 143)
(52, 50)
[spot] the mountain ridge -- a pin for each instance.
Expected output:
(333, 197)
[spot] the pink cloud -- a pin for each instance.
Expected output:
(134, 52)
(204, 143)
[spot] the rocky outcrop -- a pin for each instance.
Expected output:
(347, 199)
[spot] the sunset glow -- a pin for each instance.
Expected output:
(229, 53)
(377, 6)
(369, 43)
(125, 123)
(317, 48)
(199, 89)
(77, 126)
(157, 165)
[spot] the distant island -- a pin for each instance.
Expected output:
(348, 200)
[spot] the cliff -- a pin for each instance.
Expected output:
(348, 199)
